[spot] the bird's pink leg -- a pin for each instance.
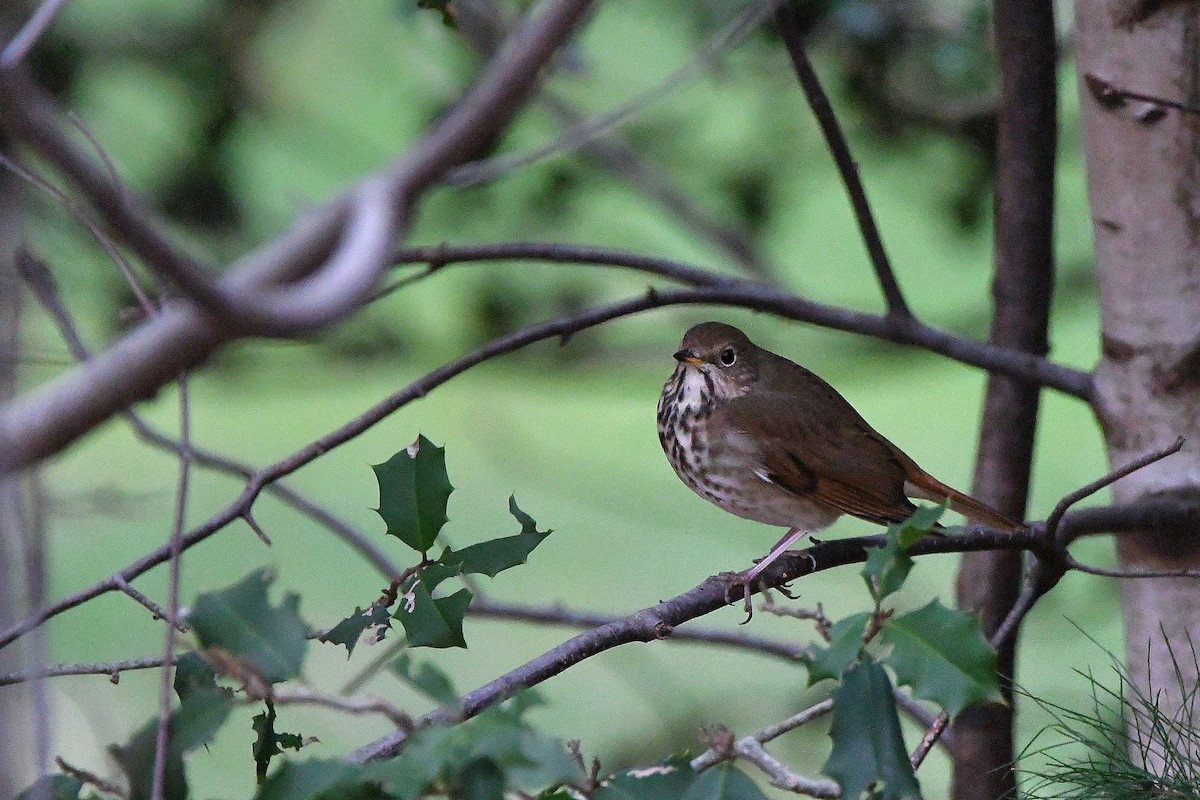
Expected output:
(747, 578)
(779, 549)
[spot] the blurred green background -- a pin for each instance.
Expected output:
(236, 116)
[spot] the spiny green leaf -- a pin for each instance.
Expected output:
(428, 680)
(241, 621)
(493, 557)
(669, 780)
(193, 724)
(413, 491)
(846, 641)
(943, 655)
(350, 630)
(887, 566)
(868, 748)
(269, 742)
(723, 782)
(433, 623)
(916, 526)
(193, 674)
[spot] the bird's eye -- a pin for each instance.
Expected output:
(728, 356)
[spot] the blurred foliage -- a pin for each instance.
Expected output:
(234, 115)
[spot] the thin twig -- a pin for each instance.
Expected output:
(783, 776)
(557, 615)
(303, 695)
(90, 778)
(715, 755)
(1053, 521)
(20, 45)
(789, 28)
(112, 669)
(1104, 572)
(176, 557)
(154, 608)
(929, 739)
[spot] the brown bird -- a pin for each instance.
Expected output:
(764, 438)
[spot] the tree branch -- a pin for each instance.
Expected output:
(789, 28)
(45, 420)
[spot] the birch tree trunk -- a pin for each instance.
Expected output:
(1143, 163)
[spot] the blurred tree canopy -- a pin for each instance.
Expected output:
(243, 113)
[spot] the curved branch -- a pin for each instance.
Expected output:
(715, 289)
(45, 420)
(660, 620)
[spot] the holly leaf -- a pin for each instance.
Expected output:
(350, 630)
(413, 491)
(669, 780)
(193, 724)
(922, 521)
(493, 557)
(723, 782)
(428, 680)
(240, 621)
(868, 748)
(269, 742)
(430, 622)
(193, 674)
(943, 655)
(846, 641)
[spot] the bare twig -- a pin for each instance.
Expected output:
(176, 557)
(112, 669)
(621, 158)
(1053, 521)
(16, 50)
(154, 608)
(783, 776)
(789, 28)
(715, 755)
(90, 778)
(1104, 572)
(303, 695)
(715, 289)
(929, 739)
(557, 615)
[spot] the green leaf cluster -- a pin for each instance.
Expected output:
(939, 653)
(414, 490)
(485, 758)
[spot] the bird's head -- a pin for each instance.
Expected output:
(723, 355)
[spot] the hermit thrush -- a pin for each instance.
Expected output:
(764, 438)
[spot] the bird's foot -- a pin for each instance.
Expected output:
(739, 583)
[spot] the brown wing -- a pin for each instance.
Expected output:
(813, 443)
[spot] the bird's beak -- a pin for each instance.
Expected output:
(686, 357)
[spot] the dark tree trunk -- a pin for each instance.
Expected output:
(1024, 280)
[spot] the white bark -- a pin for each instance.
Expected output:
(1143, 165)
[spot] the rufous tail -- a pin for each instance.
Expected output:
(930, 488)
